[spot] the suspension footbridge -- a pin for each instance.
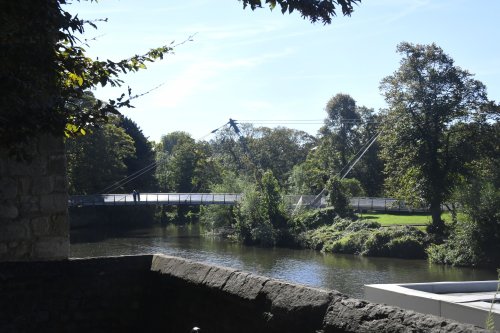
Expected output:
(196, 199)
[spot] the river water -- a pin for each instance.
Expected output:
(345, 273)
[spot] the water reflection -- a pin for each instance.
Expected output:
(345, 273)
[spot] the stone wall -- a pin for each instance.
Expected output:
(96, 295)
(169, 294)
(33, 202)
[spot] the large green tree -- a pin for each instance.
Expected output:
(139, 166)
(95, 162)
(427, 97)
(345, 147)
(184, 165)
(340, 129)
(279, 149)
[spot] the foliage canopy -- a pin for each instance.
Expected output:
(427, 96)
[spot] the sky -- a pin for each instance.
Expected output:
(271, 69)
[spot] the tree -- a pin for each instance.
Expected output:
(44, 66)
(97, 160)
(176, 159)
(279, 149)
(426, 96)
(340, 127)
(322, 10)
(142, 161)
(185, 166)
(346, 145)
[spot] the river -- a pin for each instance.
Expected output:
(345, 273)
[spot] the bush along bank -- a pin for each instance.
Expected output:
(344, 235)
(321, 230)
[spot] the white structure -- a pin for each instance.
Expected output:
(467, 302)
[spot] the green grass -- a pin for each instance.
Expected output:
(402, 219)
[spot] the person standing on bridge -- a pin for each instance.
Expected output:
(139, 196)
(134, 195)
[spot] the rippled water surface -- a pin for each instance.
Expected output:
(345, 273)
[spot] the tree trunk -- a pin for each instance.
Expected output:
(437, 226)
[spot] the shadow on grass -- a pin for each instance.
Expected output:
(370, 217)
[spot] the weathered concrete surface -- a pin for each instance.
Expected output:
(33, 202)
(351, 315)
(249, 302)
(169, 294)
(219, 299)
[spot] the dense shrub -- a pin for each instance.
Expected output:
(368, 238)
(350, 243)
(317, 238)
(475, 238)
(261, 212)
(338, 196)
(216, 218)
(398, 242)
(362, 225)
(311, 219)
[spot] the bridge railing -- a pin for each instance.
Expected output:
(292, 201)
(159, 198)
(359, 203)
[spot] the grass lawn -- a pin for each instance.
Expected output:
(401, 219)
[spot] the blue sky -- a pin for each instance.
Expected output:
(264, 65)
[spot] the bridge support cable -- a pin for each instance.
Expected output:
(125, 180)
(361, 153)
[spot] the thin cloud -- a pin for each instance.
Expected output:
(203, 75)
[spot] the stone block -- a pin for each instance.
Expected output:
(19, 168)
(17, 250)
(40, 226)
(25, 185)
(3, 248)
(245, 285)
(218, 276)
(8, 188)
(57, 165)
(8, 210)
(30, 205)
(290, 297)
(59, 225)
(51, 248)
(53, 203)
(190, 271)
(14, 231)
(43, 185)
(60, 184)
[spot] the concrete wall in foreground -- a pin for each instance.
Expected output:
(33, 203)
(169, 294)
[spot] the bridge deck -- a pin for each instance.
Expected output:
(373, 204)
(155, 199)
